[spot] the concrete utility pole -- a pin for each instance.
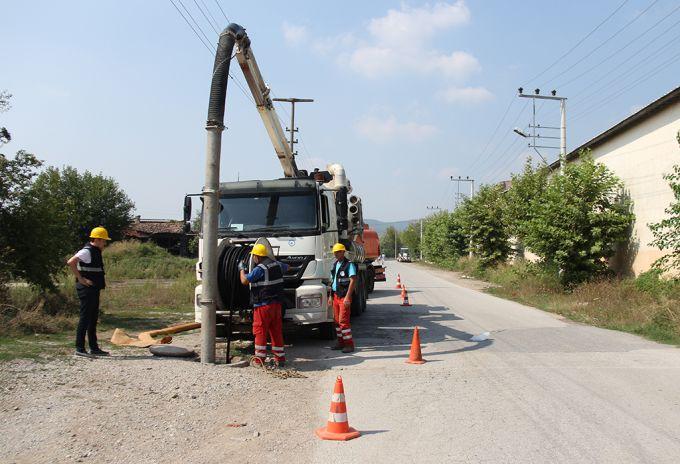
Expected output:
(458, 180)
(563, 125)
(293, 129)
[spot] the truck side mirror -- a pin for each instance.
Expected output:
(187, 208)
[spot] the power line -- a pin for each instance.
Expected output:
(488, 142)
(601, 62)
(223, 14)
(195, 22)
(519, 115)
(210, 13)
(590, 53)
(579, 42)
(612, 97)
(634, 67)
(206, 17)
(211, 51)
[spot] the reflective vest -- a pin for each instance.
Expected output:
(343, 280)
(94, 270)
(270, 288)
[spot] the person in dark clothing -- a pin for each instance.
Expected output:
(88, 267)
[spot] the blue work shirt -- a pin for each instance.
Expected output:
(257, 274)
(351, 270)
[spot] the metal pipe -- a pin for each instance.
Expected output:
(211, 201)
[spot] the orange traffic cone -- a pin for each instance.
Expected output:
(415, 357)
(404, 297)
(398, 281)
(337, 428)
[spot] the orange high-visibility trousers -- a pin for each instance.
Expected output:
(341, 314)
(267, 321)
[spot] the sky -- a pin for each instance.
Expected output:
(407, 94)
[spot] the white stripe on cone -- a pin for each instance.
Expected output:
(337, 417)
(338, 398)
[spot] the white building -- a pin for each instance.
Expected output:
(640, 150)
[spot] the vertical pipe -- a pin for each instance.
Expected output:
(563, 134)
(211, 203)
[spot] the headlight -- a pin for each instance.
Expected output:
(311, 301)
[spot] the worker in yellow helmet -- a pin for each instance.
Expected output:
(344, 280)
(266, 289)
(87, 265)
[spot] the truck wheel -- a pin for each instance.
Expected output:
(357, 307)
(326, 331)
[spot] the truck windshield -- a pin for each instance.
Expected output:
(268, 212)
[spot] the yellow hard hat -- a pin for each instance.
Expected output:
(339, 247)
(100, 232)
(259, 250)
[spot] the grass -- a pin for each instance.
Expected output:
(135, 260)
(37, 324)
(648, 305)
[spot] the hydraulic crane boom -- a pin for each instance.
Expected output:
(265, 106)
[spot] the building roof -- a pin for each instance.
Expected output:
(636, 118)
(149, 227)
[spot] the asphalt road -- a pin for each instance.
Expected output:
(540, 390)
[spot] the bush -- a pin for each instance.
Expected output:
(580, 219)
(484, 227)
(134, 260)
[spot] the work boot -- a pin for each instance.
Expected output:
(280, 364)
(99, 352)
(348, 349)
(81, 352)
(337, 346)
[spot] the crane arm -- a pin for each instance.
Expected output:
(265, 106)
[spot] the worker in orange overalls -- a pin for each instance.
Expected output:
(266, 287)
(343, 278)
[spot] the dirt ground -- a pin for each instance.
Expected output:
(133, 407)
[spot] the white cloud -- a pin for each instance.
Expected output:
(327, 45)
(293, 35)
(388, 128)
(412, 26)
(401, 41)
(466, 95)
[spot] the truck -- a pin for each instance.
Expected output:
(299, 217)
(404, 256)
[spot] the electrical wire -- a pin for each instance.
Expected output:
(210, 13)
(593, 50)
(211, 51)
(206, 17)
(612, 55)
(615, 95)
(220, 7)
(488, 142)
(578, 43)
(195, 22)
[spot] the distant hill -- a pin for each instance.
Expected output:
(381, 226)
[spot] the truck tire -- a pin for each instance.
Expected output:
(326, 331)
(357, 305)
(370, 285)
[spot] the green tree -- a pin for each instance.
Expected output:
(410, 238)
(581, 218)
(482, 219)
(32, 237)
(444, 239)
(87, 200)
(667, 232)
(387, 241)
(521, 199)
